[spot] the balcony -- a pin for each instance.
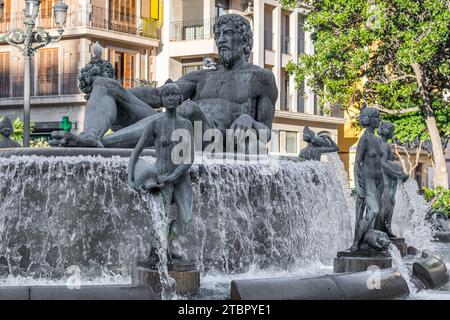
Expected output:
(96, 17)
(201, 29)
(48, 85)
(41, 85)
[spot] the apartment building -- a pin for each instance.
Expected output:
(128, 30)
(279, 36)
(155, 40)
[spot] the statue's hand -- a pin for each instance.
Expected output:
(242, 123)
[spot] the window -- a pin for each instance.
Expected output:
(317, 109)
(268, 27)
(291, 142)
(301, 34)
(286, 104)
(285, 37)
(301, 98)
(275, 141)
(150, 9)
(46, 19)
(4, 74)
(187, 69)
(122, 16)
(48, 71)
(5, 23)
(221, 7)
(125, 67)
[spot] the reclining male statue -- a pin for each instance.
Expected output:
(235, 95)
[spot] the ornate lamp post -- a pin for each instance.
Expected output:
(29, 41)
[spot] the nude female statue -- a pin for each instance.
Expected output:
(392, 172)
(317, 144)
(169, 175)
(368, 176)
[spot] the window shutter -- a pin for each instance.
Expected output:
(129, 72)
(46, 14)
(48, 71)
(154, 9)
(145, 9)
(4, 74)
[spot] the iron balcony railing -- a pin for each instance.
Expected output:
(50, 85)
(96, 17)
(192, 29)
(41, 85)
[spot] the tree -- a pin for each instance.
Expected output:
(17, 135)
(394, 54)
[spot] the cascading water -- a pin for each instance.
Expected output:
(399, 265)
(79, 210)
(270, 217)
(409, 216)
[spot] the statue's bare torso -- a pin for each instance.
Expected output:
(223, 95)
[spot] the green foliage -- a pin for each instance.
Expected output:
(18, 135)
(39, 143)
(380, 41)
(18, 130)
(440, 198)
(289, 3)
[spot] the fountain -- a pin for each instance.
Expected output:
(250, 219)
(71, 216)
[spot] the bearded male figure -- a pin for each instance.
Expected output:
(236, 95)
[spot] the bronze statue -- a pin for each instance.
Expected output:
(6, 130)
(317, 144)
(170, 174)
(368, 177)
(392, 172)
(234, 95)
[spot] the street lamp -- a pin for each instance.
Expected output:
(29, 41)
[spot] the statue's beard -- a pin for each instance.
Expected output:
(229, 57)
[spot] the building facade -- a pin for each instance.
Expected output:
(153, 40)
(128, 30)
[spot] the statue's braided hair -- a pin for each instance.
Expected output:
(96, 67)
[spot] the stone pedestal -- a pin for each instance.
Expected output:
(360, 261)
(187, 279)
(401, 245)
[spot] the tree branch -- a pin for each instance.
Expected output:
(405, 76)
(402, 161)
(401, 111)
